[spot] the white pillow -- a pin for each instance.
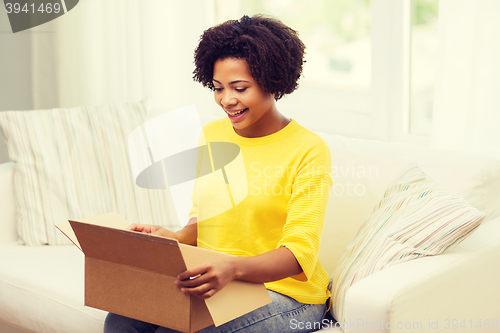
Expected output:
(73, 163)
(415, 218)
(363, 169)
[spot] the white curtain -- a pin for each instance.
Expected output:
(112, 51)
(467, 97)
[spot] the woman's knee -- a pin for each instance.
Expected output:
(119, 324)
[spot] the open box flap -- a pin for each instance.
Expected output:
(227, 304)
(111, 219)
(144, 251)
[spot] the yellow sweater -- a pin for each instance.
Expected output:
(273, 194)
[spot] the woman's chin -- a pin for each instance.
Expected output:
(239, 124)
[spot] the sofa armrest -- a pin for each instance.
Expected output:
(7, 204)
(456, 291)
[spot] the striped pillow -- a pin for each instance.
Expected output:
(415, 218)
(73, 163)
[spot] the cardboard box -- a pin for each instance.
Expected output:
(133, 274)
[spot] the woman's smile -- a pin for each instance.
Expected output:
(234, 115)
(251, 110)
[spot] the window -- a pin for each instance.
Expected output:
(337, 36)
(424, 41)
(367, 71)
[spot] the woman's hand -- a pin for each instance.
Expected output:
(152, 229)
(187, 235)
(208, 278)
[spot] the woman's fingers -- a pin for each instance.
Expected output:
(152, 229)
(205, 289)
(192, 282)
(133, 227)
(196, 281)
(199, 270)
(207, 279)
(145, 228)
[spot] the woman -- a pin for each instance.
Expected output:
(274, 232)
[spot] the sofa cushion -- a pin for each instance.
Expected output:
(73, 163)
(46, 295)
(7, 222)
(363, 169)
(415, 218)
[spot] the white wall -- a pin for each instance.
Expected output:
(15, 73)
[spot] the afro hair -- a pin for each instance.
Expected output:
(273, 51)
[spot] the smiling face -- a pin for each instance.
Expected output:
(252, 110)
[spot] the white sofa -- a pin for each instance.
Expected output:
(41, 288)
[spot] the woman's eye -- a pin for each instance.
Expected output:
(240, 89)
(218, 89)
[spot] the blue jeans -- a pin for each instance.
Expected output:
(284, 314)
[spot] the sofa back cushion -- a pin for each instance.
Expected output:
(415, 218)
(8, 204)
(362, 170)
(74, 163)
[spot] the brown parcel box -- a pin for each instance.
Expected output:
(133, 274)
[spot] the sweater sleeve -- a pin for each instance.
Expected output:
(306, 208)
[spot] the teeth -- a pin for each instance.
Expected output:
(236, 113)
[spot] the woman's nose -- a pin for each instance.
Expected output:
(228, 100)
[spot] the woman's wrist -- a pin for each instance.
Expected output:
(188, 234)
(165, 233)
(239, 267)
(267, 267)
